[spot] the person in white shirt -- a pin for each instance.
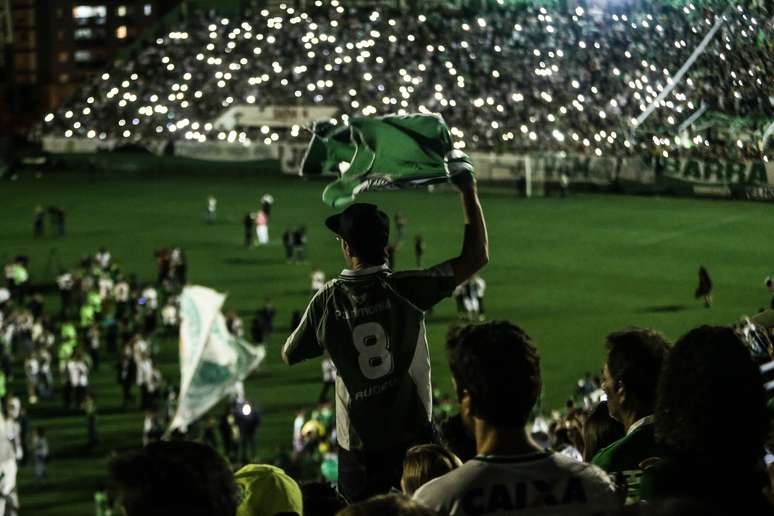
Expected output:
(212, 208)
(318, 280)
(103, 258)
(77, 371)
(328, 377)
(262, 228)
(151, 297)
(145, 380)
(496, 372)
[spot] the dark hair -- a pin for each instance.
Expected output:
(711, 401)
(387, 505)
(369, 253)
(321, 499)
(174, 477)
(599, 430)
(497, 364)
(425, 462)
(635, 357)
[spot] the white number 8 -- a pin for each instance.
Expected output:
(374, 357)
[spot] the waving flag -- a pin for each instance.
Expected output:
(389, 152)
(212, 360)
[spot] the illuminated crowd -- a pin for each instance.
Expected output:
(510, 79)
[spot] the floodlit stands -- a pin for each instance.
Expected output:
(511, 78)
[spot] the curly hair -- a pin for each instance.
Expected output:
(711, 403)
(498, 365)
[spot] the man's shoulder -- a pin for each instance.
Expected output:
(442, 491)
(628, 451)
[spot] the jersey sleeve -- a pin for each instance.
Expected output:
(425, 288)
(304, 342)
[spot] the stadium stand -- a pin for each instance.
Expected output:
(512, 77)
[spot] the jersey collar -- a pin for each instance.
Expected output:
(347, 273)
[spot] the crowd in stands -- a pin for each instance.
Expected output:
(511, 77)
(684, 430)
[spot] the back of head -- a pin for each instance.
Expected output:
(321, 499)
(425, 462)
(599, 430)
(387, 505)
(711, 401)
(174, 477)
(499, 367)
(635, 358)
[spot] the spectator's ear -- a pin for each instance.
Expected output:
(466, 405)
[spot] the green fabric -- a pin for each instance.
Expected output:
(380, 153)
(624, 457)
(95, 301)
(3, 389)
(87, 315)
(20, 274)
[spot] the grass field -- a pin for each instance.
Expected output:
(567, 270)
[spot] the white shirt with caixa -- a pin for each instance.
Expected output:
(543, 483)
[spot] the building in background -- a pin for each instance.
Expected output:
(50, 47)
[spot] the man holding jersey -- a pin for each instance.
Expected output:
(370, 321)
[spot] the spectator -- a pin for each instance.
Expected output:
(212, 209)
(321, 499)
(629, 378)
(328, 379)
(387, 505)
(711, 417)
(425, 462)
(40, 449)
(496, 371)
(599, 431)
(174, 477)
(37, 226)
(248, 222)
(389, 407)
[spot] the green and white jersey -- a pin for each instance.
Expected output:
(372, 324)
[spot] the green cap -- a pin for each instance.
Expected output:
(267, 490)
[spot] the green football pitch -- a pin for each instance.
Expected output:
(568, 271)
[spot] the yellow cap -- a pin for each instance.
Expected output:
(267, 490)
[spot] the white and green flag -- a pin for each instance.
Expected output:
(212, 360)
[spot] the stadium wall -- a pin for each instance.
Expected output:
(626, 174)
(632, 174)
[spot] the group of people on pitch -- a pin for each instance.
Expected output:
(694, 413)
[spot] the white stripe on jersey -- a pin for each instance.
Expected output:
(342, 414)
(419, 371)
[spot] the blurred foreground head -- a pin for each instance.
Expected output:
(711, 401)
(174, 477)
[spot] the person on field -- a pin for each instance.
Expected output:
(704, 289)
(370, 321)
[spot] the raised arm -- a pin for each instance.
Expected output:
(475, 243)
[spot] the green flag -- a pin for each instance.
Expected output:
(212, 360)
(389, 152)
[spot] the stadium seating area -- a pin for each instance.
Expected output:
(511, 78)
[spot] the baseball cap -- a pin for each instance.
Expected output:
(266, 491)
(361, 224)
